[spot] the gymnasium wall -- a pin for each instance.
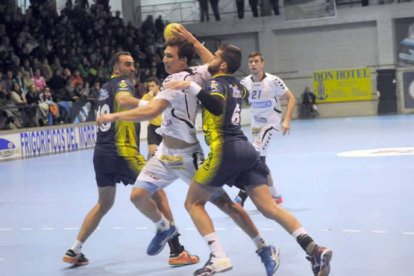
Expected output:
(357, 37)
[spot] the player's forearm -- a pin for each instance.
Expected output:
(202, 51)
(290, 108)
(128, 102)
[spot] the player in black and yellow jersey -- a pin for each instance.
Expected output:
(116, 156)
(234, 161)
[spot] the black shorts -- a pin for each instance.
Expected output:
(153, 138)
(234, 163)
(110, 170)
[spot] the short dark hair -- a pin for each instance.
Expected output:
(232, 56)
(153, 79)
(185, 49)
(256, 54)
(115, 58)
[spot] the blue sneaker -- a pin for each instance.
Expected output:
(161, 238)
(270, 259)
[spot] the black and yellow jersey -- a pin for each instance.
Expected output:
(117, 138)
(225, 127)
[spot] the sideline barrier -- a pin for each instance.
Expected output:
(34, 142)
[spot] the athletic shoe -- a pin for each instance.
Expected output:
(184, 258)
(161, 238)
(320, 261)
(278, 199)
(76, 259)
(239, 200)
(214, 265)
(270, 259)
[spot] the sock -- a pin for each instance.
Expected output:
(259, 242)
(243, 195)
(304, 240)
(175, 246)
(77, 247)
(163, 224)
(215, 246)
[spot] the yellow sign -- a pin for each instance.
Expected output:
(342, 85)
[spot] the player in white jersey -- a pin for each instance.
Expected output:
(180, 153)
(265, 94)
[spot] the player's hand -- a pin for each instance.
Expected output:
(285, 127)
(105, 118)
(177, 85)
(183, 33)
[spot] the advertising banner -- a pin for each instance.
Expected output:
(42, 141)
(342, 85)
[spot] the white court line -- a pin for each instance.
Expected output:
(26, 229)
(351, 230)
(325, 230)
(190, 228)
(221, 228)
(48, 228)
(119, 228)
(267, 229)
(6, 229)
(379, 232)
(1, 259)
(408, 233)
(141, 228)
(71, 228)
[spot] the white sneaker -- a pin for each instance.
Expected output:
(214, 265)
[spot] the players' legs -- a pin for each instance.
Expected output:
(90, 223)
(319, 256)
(105, 202)
(264, 202)
(236, 212)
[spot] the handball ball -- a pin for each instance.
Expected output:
(168, 34)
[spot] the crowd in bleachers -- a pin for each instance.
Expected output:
(50, 61)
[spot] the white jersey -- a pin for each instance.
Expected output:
(264, 99)
(178, 119)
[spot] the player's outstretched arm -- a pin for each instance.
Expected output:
(147, 112)
(201, 50)
(126, 100)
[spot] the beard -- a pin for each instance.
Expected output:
(213, 69)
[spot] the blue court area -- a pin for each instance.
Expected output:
(361, 207)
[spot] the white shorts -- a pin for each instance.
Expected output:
(262, 135)
(167, 165)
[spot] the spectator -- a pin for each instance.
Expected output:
(159, 25)
(48, 106)
(204, 10)
(38, 80)
(214, 5)
(254, 7)
(240, 8)
(309, 108)
(27, 113)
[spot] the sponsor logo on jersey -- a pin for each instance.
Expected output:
(261, 104)
(259, 119)
(103, 94)
(123, 84)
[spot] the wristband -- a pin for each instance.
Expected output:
(194, 88)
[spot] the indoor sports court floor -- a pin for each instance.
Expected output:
(361, 207)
